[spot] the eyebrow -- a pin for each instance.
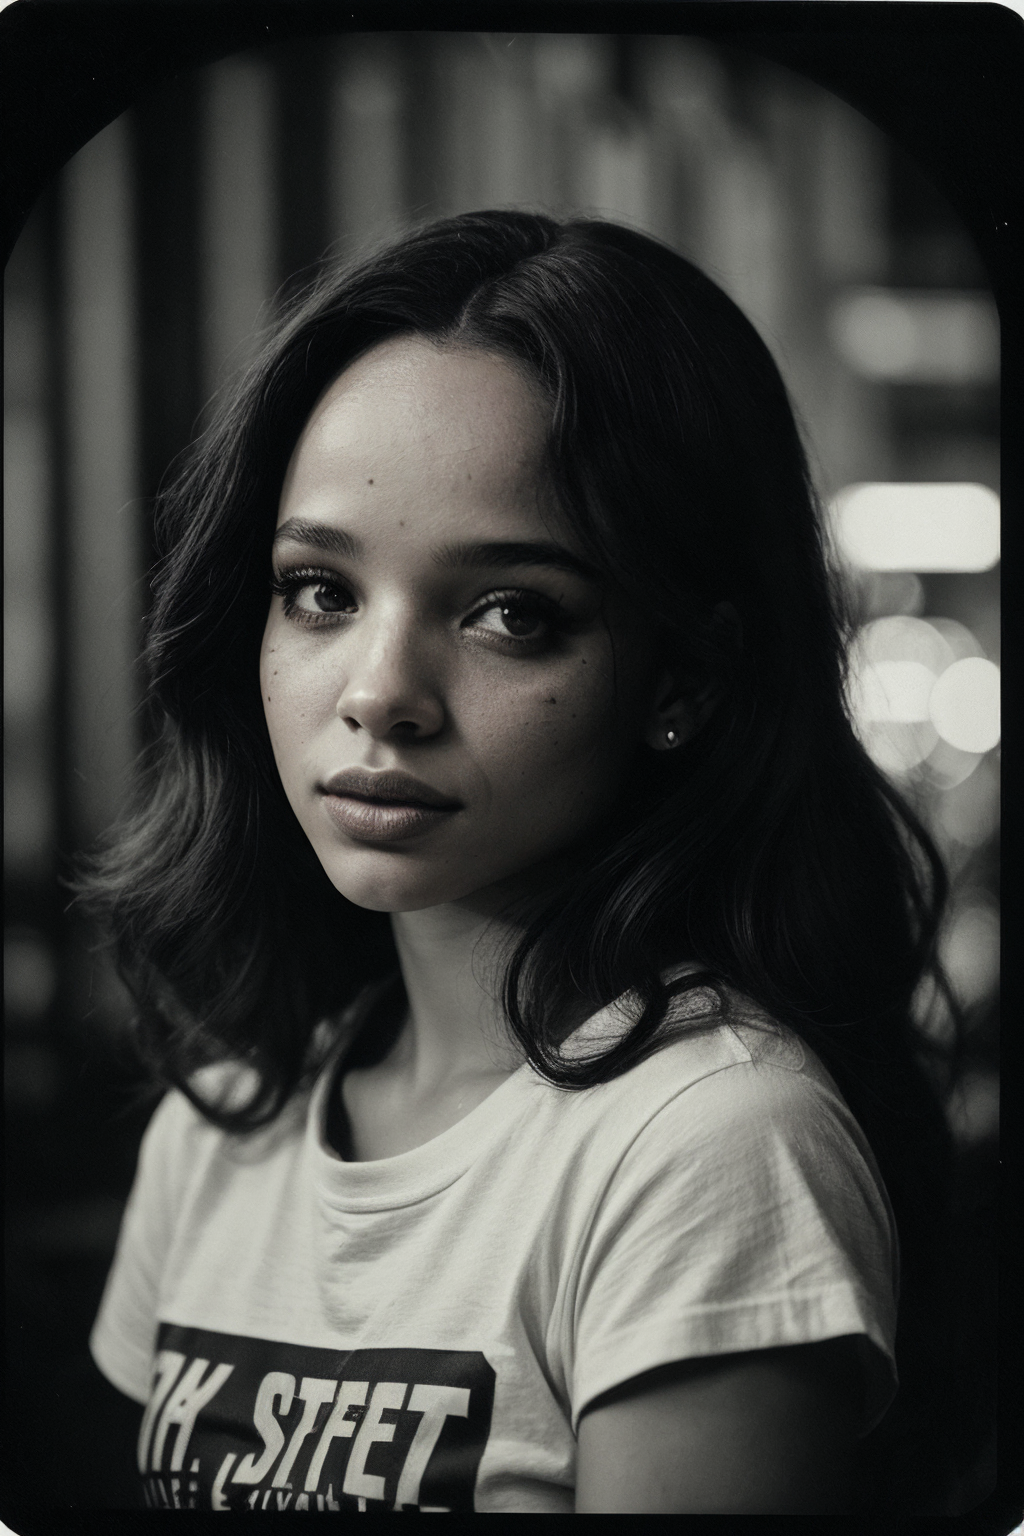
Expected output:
(500, 554)
(333, 541)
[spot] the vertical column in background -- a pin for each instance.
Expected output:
(304, 78)
(487, 150)
(30, 623)
(424, 109)
(571, 74)
(166, 131)
(459, 64)
(486, 143)
(682, 82)
(367, 172)
(616, 176)
(237, 257)
(745, 213)
(830, 171)
(508, 130)
(103, 536)
(616, 180)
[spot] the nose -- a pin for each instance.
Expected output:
(388, 689)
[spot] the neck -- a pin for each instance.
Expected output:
(451, 966)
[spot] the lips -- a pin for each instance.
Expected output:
(384, 806)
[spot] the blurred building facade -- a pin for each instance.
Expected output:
(139, 288)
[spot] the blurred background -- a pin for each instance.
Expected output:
(137, 290)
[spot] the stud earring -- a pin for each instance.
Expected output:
(671, 737)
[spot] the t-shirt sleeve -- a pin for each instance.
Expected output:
(124, 1334)
(746, 1214)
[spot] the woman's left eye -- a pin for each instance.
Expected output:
(516, 616)
(312, 597)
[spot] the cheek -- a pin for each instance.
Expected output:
(268, 672)
(568, 730)
(289, 696)
(273, 688)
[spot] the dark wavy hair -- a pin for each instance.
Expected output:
(769, 850)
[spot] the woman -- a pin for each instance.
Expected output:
(527, 938)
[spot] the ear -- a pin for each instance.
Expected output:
(677, 716)
(673, 719)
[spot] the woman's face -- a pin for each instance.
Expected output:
(451, 696)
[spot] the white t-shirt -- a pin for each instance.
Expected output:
(424, 1331)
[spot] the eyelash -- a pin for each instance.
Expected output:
(288, 584)
(546, 609)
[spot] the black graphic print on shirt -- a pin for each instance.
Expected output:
(236, 1423)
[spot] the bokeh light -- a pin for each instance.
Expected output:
(964, 704)
(914, 336)
(921, 691)
(945, 526)
(970, 950)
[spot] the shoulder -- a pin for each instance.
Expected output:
(710, 1066)
(180, 1141)
(731, 1111)
(739, 1208)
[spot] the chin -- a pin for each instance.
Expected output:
(393, 883)
(397, 889)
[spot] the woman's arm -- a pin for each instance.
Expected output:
(771, 1431)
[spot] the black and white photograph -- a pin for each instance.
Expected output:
(503, 660)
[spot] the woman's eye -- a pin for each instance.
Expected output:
(322, 597)
(312, 595)
(515, 617)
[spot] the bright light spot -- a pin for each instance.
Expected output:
(964, 705)
(894, 663)
(898, 747)
(896, 690)
(898, 667)
(945, 526)
(970, 952)
(900, 637)
(918, 336)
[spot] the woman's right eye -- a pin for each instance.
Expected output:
(312, 597)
